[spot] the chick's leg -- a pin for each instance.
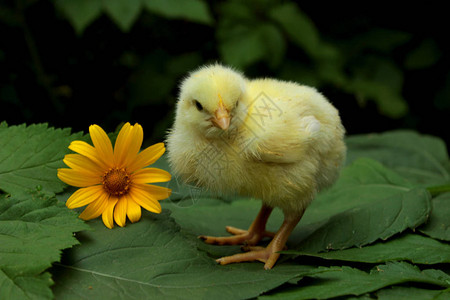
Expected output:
(252, 236)
(269, 254)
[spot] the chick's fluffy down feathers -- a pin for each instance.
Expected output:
(283, 145)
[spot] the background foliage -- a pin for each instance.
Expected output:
(77, 62)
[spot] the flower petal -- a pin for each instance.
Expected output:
(78, 178)
(145, 200)
(80, 162)
(87, 150)
(121, 145)
(146, 157)
(107, 215)
(84, 196)
(156, 192)
(120, 211)
(96, 208)
(150, 175)
(102, 143)
(128, 144)
(136, 138)
(133, 210)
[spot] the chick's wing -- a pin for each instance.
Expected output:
(288, 143)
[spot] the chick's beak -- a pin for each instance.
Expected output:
(221, 117)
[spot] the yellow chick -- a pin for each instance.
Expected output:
(277, 141)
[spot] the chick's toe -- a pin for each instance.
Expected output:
(252, 236)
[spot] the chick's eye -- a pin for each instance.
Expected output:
(198, 105)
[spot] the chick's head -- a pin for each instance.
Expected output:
(209, 100)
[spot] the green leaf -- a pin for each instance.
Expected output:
(80, 13)
(380, 80)
(123, 12)
(380, 39)
(24, 286)
(153, 258)
(295, 71)
(390, 103)
(348, 281)
(241, 47)
(411, 247)
(420, 158)
(191, 10)
(387, 73)
(298, 27)
(424, 56)
(245, 39)
(30, 157)
(438, 226)
(369, 202)
(275, 45)
(34, 229)
(412, 293)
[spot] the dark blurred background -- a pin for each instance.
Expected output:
(72, 63)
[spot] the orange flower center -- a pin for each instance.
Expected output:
(116, 181)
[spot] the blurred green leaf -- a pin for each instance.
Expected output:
(274, 44)
(123, 12)
(154, 78)
(187, 61)
(239, 11)
(241, 50)
(8, 16)
(191, 10)
(387, 73)
(295, 71)
(389, 103)
(244, 38)
(80, 13)
(332, 72)
(380, 80)
(424, 56)
(438, 226)
(298, 27)
(379, 39)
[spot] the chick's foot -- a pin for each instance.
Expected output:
(268, 255)
(251, 236)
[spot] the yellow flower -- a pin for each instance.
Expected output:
(115, 183)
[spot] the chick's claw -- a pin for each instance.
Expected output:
(267, 255)
(237, 231)
(240, 236)
(228, 240)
